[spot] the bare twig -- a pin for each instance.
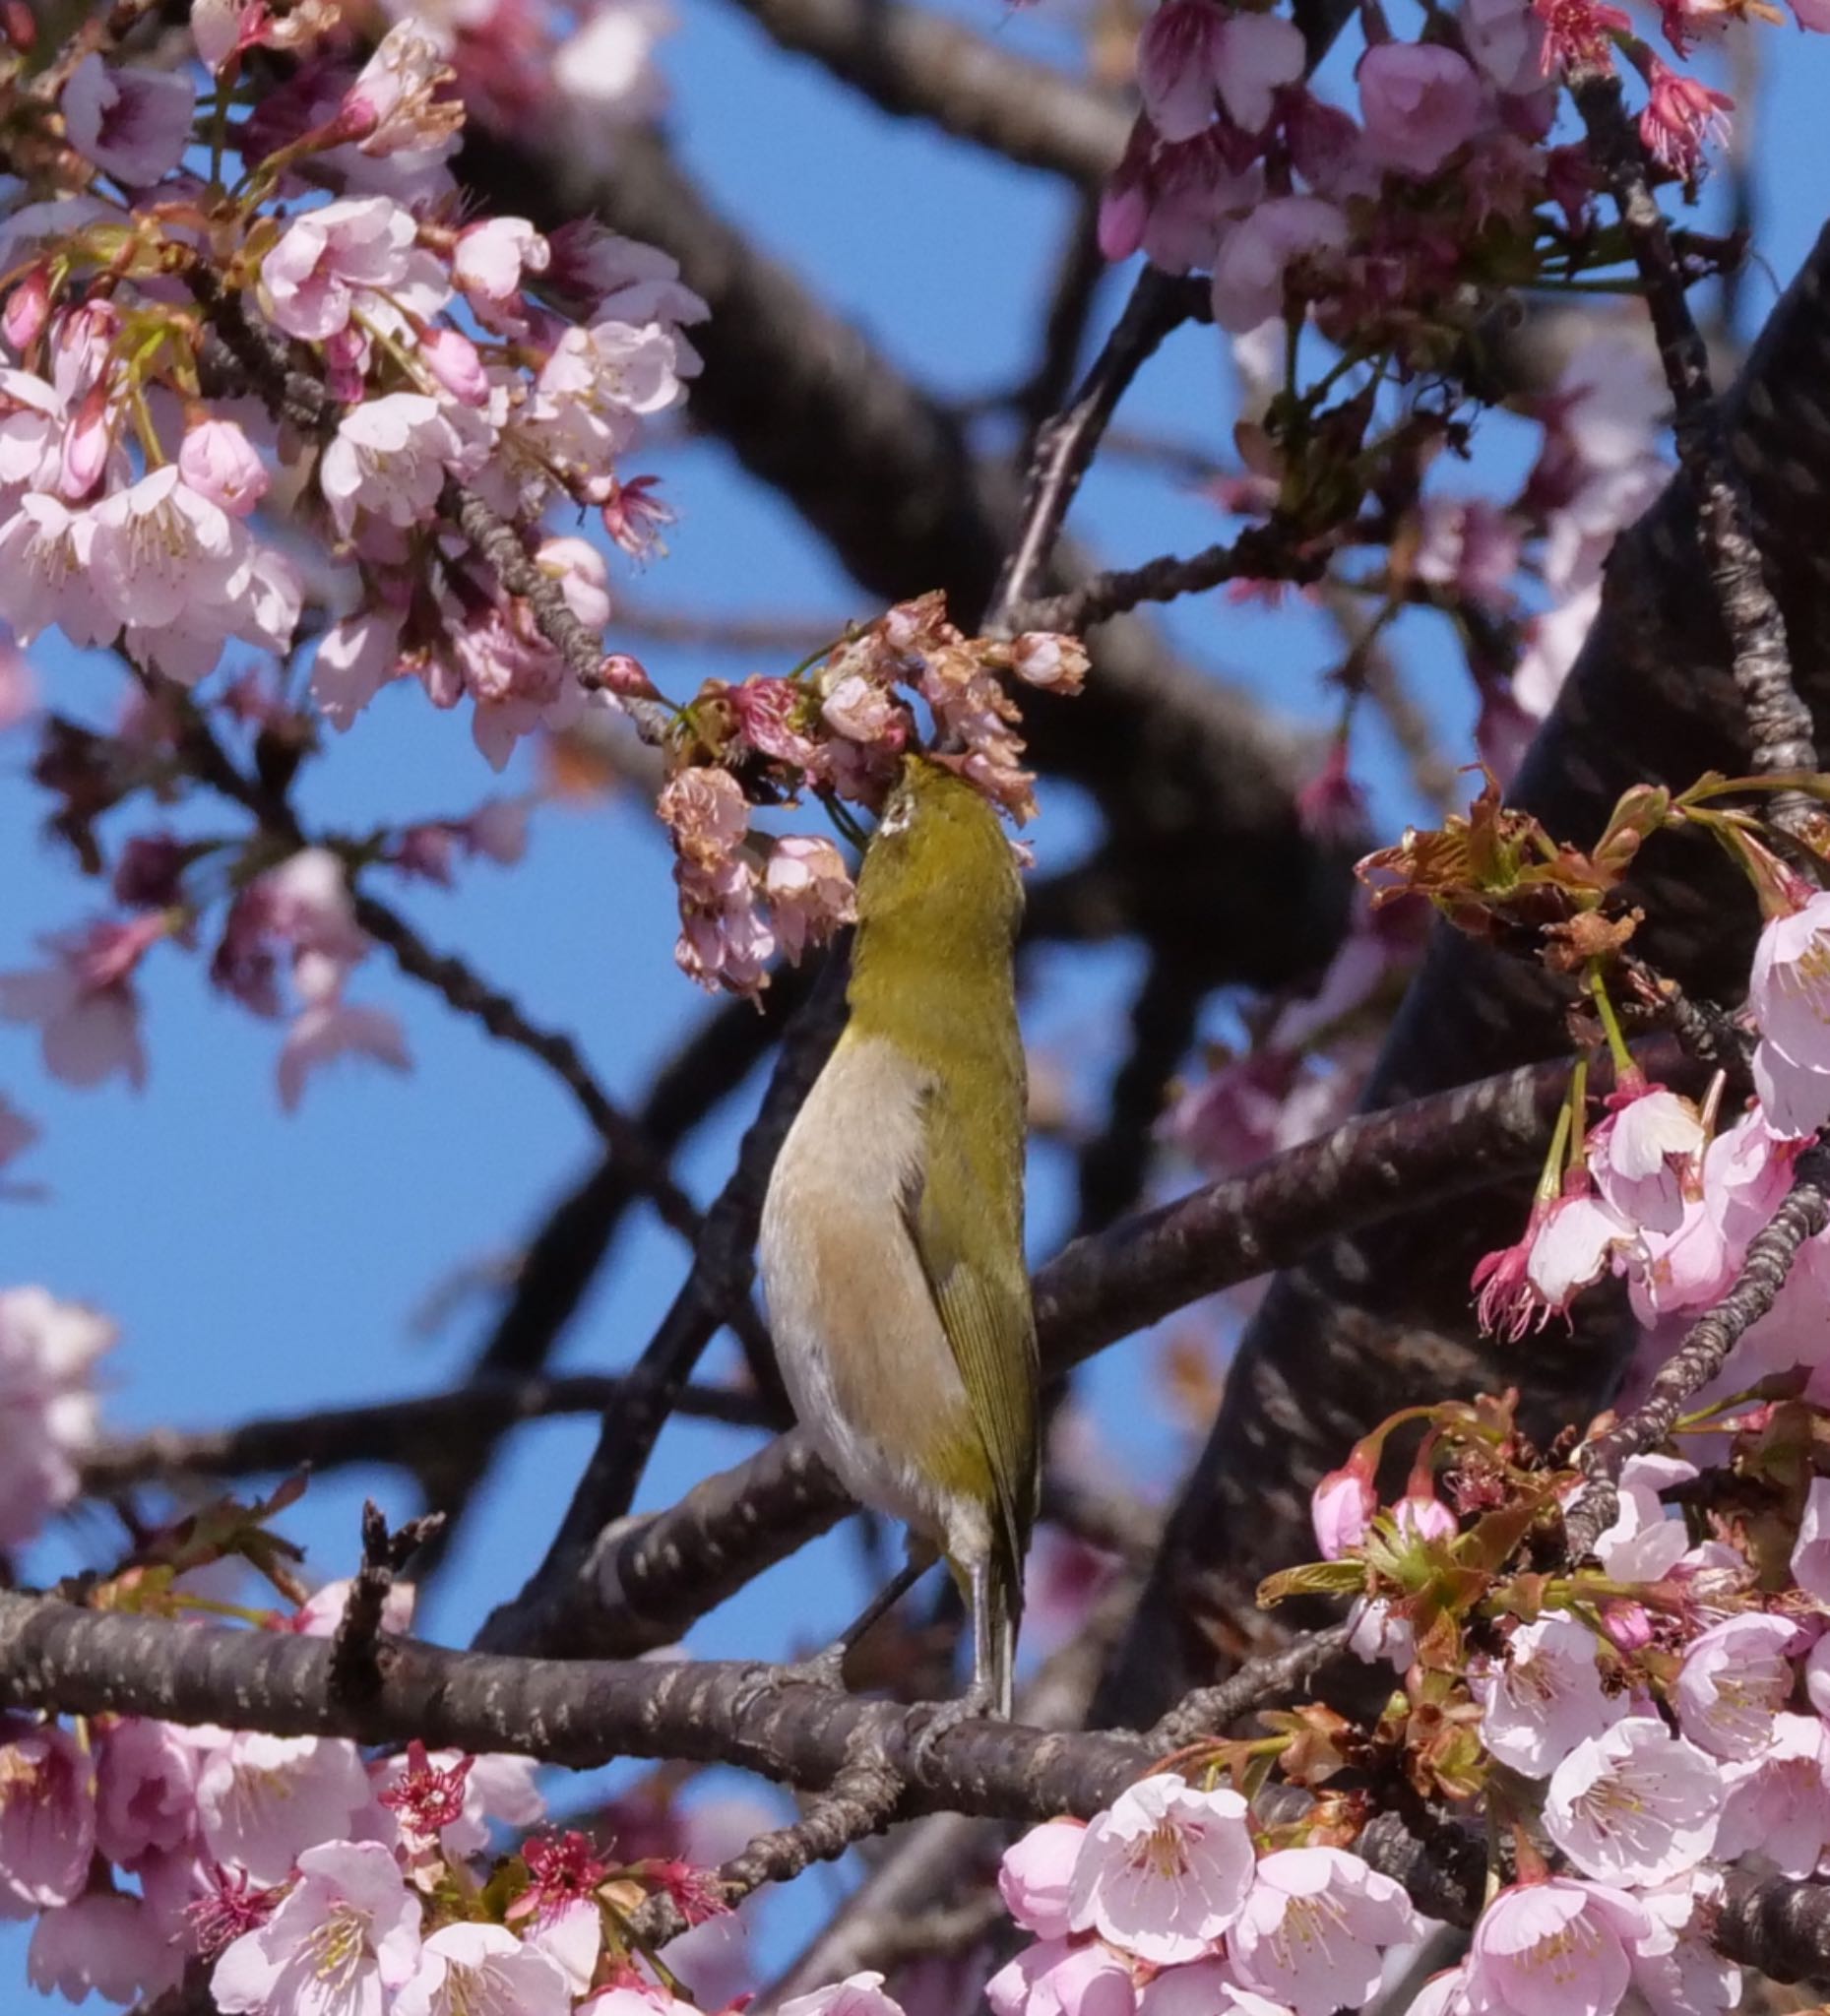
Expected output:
(1066, 446)
(354, 1669)
(463, 990)
(1080, 271)
(1209, 1711)
(1261, 552)
(1804, 1213)
(1779, 721)
(861, 1801)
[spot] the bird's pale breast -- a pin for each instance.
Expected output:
(862, 1347)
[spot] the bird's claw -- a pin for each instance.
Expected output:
(978, 1703)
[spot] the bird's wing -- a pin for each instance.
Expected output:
(973, 1260)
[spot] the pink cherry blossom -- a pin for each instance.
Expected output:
(45, 550)
(84, 1003)
(1257, 256)
(488, 262)
(487, 1787)
(335, 259)
(357, 656)
(1341, 1510)
(1675, 1968)
(133, 124)
(110, 1942)
(390, 457)
(1643, 1155)
(1736, 1678)
(345, 1938)
(1778, 1802)
(1557, 1948)
(1204, 1987)
(319, 1615)
(481, 1970)
(1165, 1871)
(160, 546)
(1506, 40)
(1260, 54)
(1036, 1875)
(49, 1350)
(1683, 117)
(1636, 1804)
(47, 1818)
(219, 461)
(1424, 1516)
(1579, 1236)
(146, 1790)
(1644, 1543)
(1315, 1927)
(323, 1032)
(1420, 102)
(1789, 993)
(810, 892)
(1178, 63)
(1817, 1676)
(1686, 1268)
(1380, 1634)
(262, 1801)
(1547, 1698)
(858, 1995)
(1058, 1977)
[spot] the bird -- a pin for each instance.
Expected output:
(891, 1243)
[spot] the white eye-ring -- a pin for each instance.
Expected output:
(897, 817)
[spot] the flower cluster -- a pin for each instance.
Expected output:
(836, 728)
(305, 1875)
(188, 346)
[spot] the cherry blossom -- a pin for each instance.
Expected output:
(1789, 993)
(346, 1937)
(263, 1800)
(1557, 1948)
(1736, 1678)
(217, 462)
(390, 457)
(481, 1970)
(858, 1995)
(1036, 1877)
(48, 1818)
(1636, 1804)
(1675, 1968)
(1257, 257)
(1165, 1871)
(1643, 1545)
(146, 1790)
(1642, 1155)
(1547, 1697)
(1579, 1236)
(1778, 1803)
(1062, 1977)
(133, 124)
(85, 1005)
(1420, 102)
(48, 1415)
(1204, 1987)
(1314, 1930)
(111, 1943)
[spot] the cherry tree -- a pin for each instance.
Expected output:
(1478, 1662)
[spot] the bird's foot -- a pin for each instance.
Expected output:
(978, 1703)
(822, 1670)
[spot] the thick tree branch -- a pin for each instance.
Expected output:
(1262, 552)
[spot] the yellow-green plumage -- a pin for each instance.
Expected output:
(892, 1238)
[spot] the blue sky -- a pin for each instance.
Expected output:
(261, 1263)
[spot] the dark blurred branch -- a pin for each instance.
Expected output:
(1080, 273)
(404, 1432)
(916, 63)
(1780, 721)
(1116, 1160)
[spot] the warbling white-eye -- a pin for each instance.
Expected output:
(892, 1235)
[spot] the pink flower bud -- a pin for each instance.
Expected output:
(218, 460)
(1424, 1517)
(1036, 1878)
(1341, 1509)
(452, 358)
(28, 307)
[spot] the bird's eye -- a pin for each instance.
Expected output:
(897, 817)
